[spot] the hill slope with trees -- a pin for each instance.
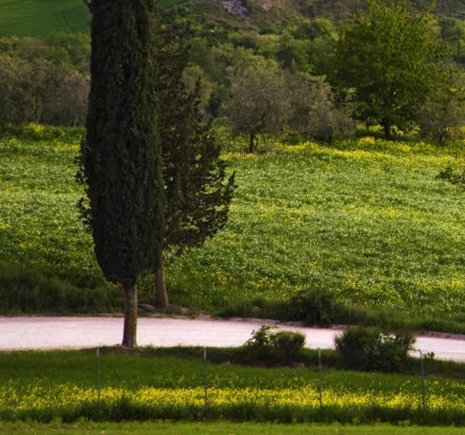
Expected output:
(275, 60)
(48, 79)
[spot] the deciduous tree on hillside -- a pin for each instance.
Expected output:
(121, 154)
(389, 56)
(259, 101)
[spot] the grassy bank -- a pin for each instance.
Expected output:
(46, 257)
(152, 386)
(363, 225)
(217, 428)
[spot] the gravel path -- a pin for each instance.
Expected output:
(33, 332)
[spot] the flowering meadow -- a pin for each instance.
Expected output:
(43, 386)
(365, 222)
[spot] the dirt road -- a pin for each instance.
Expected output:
(81, 332)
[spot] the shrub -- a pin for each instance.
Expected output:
(441, 119)
(259, 346)
(287, 344)
(370, 349)
(267, 346)
(315, 112)
(46, 81)
(312, 306)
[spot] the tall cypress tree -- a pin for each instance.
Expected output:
(121, 154)
(197, 191)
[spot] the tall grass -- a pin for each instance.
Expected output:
(364, 223)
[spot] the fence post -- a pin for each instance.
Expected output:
(98, 381)
(320, 377)
(423, 389)
(205, 380)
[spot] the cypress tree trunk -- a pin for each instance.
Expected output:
(161, 293)
(130, 314)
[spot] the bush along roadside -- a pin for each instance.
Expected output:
(371, 349)
(270, 348)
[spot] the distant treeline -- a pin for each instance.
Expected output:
(47, 80)
(44, 80)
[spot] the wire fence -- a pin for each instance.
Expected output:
(320, 383)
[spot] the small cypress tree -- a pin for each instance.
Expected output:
(121, 154)
(197, 192)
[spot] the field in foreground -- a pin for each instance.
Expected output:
(155, 384)
(364, 223)
(217, 428)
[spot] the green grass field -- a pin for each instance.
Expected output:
(366, 222)
(45, 17)
(218, 428)
(152, 385)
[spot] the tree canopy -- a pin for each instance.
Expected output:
(197, 192)
(259, 101)
(389, 56)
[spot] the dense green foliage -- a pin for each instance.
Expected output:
(121, 155)
(389, 57)
(158, 384)
(365, 225)
(299, 39)
(371, 349)
(44, 80)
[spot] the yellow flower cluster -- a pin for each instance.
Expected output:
(308, 397)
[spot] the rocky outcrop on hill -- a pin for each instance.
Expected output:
(235, 7)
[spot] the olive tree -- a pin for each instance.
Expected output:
(259, 102)
(315, 112)
(443, 115)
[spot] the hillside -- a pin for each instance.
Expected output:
(355, 228)
(32, 18)
(365, 224)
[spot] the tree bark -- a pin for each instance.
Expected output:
(161, 293)
(130, 314)
(253, 140)
(387, 130)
